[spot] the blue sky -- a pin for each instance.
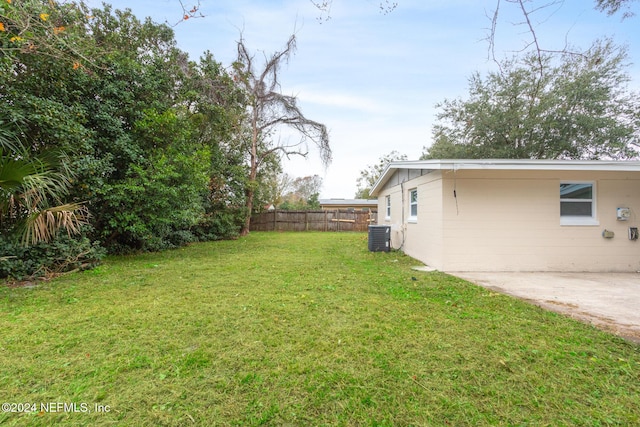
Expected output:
(374, 79)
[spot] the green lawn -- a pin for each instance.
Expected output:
(300, 329)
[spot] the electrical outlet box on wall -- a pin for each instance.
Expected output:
(623, 214)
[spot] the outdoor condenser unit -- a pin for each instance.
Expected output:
(379, 238)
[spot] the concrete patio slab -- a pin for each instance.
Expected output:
(610, 301)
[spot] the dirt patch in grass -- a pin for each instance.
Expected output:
(608, 324)
(608, 301)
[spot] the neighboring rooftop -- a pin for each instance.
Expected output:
(347, 203)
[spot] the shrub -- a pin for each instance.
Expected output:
(58, 256)
(181, 238)
(219, 225)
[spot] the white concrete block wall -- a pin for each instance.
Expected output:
(509, 220)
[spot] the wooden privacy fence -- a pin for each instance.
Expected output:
(332, 220)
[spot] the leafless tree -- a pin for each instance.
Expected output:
(268, 109)
(535, 11)
(324, 6)
(283, 185)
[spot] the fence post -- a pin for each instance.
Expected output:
(275, 219)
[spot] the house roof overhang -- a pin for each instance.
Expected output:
(504, 164)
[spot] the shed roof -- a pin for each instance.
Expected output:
(504, 164)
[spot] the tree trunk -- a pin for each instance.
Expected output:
(270, 108)
(253, 174)
(249, 206)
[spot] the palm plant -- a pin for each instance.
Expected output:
(31, 192)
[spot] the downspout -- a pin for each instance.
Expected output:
(455, 183)
(403, 222)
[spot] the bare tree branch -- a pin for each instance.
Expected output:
(529, 10)
(189, 12)
(268, 109)
(324, 6)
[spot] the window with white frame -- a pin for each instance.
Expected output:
(388, 207)
(577, 203)
(413, 204)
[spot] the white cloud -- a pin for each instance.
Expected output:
(340, 101)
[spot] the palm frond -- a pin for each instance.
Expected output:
(33, 177)
(28, 188)
(8, 139)
(43, 225)
(13, 171)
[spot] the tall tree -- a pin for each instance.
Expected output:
(268, 109)
(36, 175)
(371, 173)
(154, 134)
(143, 126)
(578, 108)
(218, 110)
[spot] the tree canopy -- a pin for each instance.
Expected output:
(152, 150)
(371, 173)
(574, 107)
(303, 194)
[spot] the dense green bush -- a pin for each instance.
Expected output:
(181, 238)
(61, 255)
(154, 140)
(219, 225)
(142, 211)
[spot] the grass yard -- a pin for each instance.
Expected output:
(299, 329)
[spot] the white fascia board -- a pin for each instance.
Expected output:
(506, 164)
(528, 164)
(382, 179)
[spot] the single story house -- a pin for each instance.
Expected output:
(348, 204)
(514, 215)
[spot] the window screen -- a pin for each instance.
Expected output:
(576, 199)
